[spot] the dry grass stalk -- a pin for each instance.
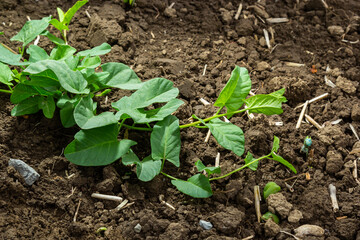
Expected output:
(277, 20)
(237, 15)
(298, 124)
(217, 160)
(257, 198)
(77, 211)
(292, 64)
(354, 131)
(334, 202)
(313, 122)
(322, 96)
(107, 197)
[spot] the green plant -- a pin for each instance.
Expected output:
(271, 188)
(129, 2)
(68, 80)
(269, 215)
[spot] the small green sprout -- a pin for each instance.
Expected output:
(305, 147)
(271, 188)
(269, 215)
(101, 230)
(129, 2)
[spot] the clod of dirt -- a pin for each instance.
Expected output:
(77, 229)
(228, 222)
(309, 230)
(170, 12)
(335, 31)
(355, 112)
(175, 231)
(333, 134)
(226, 15)
(334, 162)
(346, 85)
(102, 30)
(112, 11)
(314, 5)
(347, 228)
(244, 27)
(262, 66)
(271, 228)
(295, 216)
(278, 203)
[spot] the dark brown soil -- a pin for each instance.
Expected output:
(177, 45)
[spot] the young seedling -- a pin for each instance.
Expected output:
(271, 188)
(307, 144)
(67, 79)
(270, 215)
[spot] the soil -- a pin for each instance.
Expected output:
(178, 44)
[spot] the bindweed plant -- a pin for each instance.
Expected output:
(70, 80)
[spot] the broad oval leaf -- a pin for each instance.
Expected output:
(48, 106)
(71, 81)
(120, 76)
(89, 62)
(85, 118)
(228, 135)
(271, 188)
(96, 51)
(31, 30)
(165, 140)
(249, 159)
(27, 106)
(97, 146)
(67, 115)
(283, 161)
(148, 168)
(8, 57)
(22, 92)
(210, 170)
(62, 52)
(198, 186)
(6, 75)
(264, 103)
(235, 91)
(36, 53)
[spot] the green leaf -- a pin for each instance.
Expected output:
(6, 75)
(96, 51)
(210, 170)
(67, 115)
(279, 94)
(228, 135)
(22, 92)
(1, 33)
(71, 81)
(8, 57)
(51, 37)
(58, 25)
(84, 115)
(276, 144)
(44, 79)
(235, 91)
(97, 146)
(264, 103)
(271, 188)
(28, 106)
(36, 53)
(89, 62)
(48, 106)
(160, 113)
(31, 30)
(198, 186)
(165, 140)
(283, 161)
(130, 158)
(248, 159)
(269, 215)
(148, 168)
(71, 12)
(72, 62)
(62, 52)
(61, 14)
(121, 76)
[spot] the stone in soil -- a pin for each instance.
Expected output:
(28, 173)
(309, 230)
(277, 203)
(295, 216)
(335, 31)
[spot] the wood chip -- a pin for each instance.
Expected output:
(277, 20)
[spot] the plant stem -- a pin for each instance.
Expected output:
(167, 175)
(121, 124)
(210, 118)
(238, 169)
(219, 110)
(137, 128)
(6, 91)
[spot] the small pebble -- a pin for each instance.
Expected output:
(137, 228)
(335, 30)
(28, 173)
(205, 225)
